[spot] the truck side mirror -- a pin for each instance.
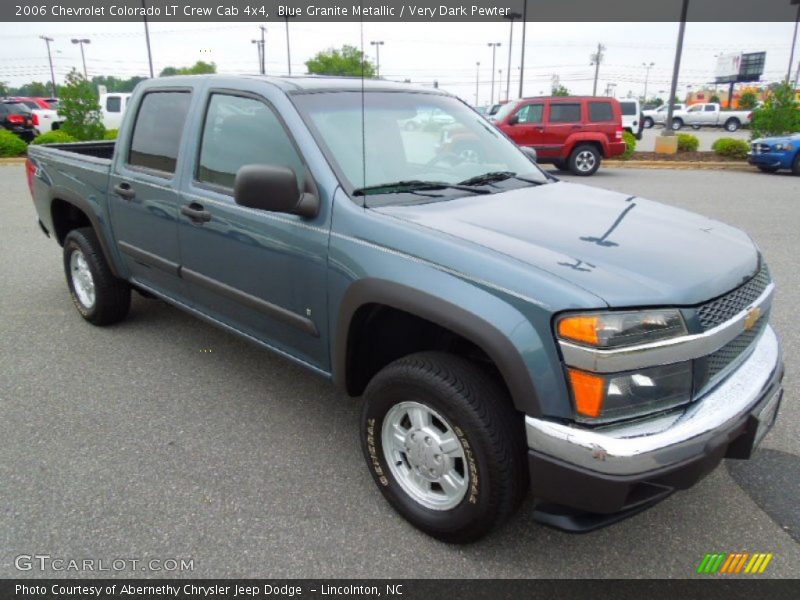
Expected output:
(529, 152)
(273, 188)
(513, 119)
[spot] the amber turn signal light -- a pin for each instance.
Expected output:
(579, 329)
(588, 392)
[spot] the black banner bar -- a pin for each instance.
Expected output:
(393, 11)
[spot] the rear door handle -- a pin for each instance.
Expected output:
(196, 212)
(124, 190)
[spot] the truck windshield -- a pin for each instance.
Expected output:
(381, 142)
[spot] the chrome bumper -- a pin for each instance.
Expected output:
(665, 440)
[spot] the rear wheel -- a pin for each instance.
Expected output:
(584, 160)
(732, 125)
(444, 445)
(100, 298)
(677, 124)
(695, 127)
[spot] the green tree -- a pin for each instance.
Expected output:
(748, 100)
(4, 89)
(779, 115)
(560, 90)
(34, 88)
(714, 98)
(655, 102)
(80, 109)
(114, 84)
(347, 61)
(198, 68)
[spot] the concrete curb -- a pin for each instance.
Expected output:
(17, 160)
(679, 164)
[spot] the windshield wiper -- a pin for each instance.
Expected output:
(495, 176)
(413, 185)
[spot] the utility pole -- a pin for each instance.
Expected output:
(477, 80)
(499, 85)
(47, 41)
(263, 49)
(646, 78)
(676, 69)
(83, 56)
(377, 45)
(522, 57)
(510, 16)
(260, 49)
(596, 59)
(494, 46)
(147, 39)
(794, 42)
(288, 47)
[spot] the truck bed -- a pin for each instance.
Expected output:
(104, 149)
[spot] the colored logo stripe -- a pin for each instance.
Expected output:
(725, 563)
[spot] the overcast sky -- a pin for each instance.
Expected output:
(422, 52)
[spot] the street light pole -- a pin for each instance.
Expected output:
(494, 46)
(147, 39)
(477, 80)
(263, 49)
(377, 45)
(47, 41)
(794, 42)
(510, 16)
(288, 47)
(260, 49)
(676, 69)
(83, 56)
(522, 57)
(646, 78)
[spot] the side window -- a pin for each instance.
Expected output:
(158, 129)
(710, 108)
(242, 131)
(531, 113)
(565, 113)
(113, 104)
(600, 111)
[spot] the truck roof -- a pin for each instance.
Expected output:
(311, 83)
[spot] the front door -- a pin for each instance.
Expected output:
(260, 272)
(143, 197)
(528, 129)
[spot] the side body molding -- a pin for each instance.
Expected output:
(473, 327)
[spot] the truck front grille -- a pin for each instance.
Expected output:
(759, 148)
(726, 307)
(731, 352)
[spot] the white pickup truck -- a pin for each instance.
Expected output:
(710, 114)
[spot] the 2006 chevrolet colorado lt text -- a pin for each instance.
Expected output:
(509, 331)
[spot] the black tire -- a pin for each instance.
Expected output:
(796, 165)
(768, 169)
(480, 414)
(112, 296)
(677, 124)
(579, 162)
(560, 164)
(696, 127)
(732, 125)
(648, 123)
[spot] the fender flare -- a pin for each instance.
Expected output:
(451, 316)
(86, 208)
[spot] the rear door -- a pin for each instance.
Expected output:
(562, 118)
(143, 196)
(602, 118)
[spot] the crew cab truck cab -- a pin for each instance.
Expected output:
(710, 114)
(575, 133)
(510, 333)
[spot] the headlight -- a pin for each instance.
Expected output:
(778, 147)
(615, 396)
(615, 329)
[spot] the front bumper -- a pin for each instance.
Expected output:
(617, 468)
(769, 159)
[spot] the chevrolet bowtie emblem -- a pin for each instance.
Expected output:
(752, 317)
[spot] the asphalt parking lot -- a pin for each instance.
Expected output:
(163, 437)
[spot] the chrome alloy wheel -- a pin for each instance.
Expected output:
(585, 161)
(425, 456)
(82, 280)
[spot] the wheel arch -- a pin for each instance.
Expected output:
(365, 294)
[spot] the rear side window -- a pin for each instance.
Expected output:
(565, 113)
(113, 104)
(158, 129)
(628, 108)
(242, 131)
(600, 111)
(710, 108)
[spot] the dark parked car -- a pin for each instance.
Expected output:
(18, 119)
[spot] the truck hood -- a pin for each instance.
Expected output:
(626, 250)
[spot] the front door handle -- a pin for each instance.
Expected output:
(196, 212)
(124, 190)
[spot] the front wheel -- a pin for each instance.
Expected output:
(648, 123)
(584, 160)
(444, 445)
(100, 298)
(768, 169)
(796, 165)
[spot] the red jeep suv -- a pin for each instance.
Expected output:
(573, 132)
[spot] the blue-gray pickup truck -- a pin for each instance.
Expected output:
(510, 333)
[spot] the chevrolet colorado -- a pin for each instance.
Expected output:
(510, 333)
